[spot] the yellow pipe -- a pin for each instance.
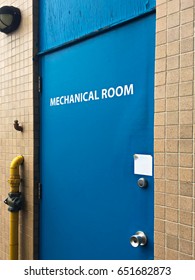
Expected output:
(13, 231)
(14, 182)
(14, 174)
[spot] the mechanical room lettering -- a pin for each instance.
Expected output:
(93, 95)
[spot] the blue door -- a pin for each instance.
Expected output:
(97, 119)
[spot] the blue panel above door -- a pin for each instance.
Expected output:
(63, 21)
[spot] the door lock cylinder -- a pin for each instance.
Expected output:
(142, 183)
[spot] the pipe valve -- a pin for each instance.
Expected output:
(14, 201)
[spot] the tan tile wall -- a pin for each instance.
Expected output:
(174, 130)
(16, 102)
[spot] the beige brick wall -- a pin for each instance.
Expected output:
(174, 130)
(16, 102)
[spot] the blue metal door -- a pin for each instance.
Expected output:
(97, 117)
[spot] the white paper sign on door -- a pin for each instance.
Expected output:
(143, 164)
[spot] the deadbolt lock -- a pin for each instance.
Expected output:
(142, 183)
(138, 239)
